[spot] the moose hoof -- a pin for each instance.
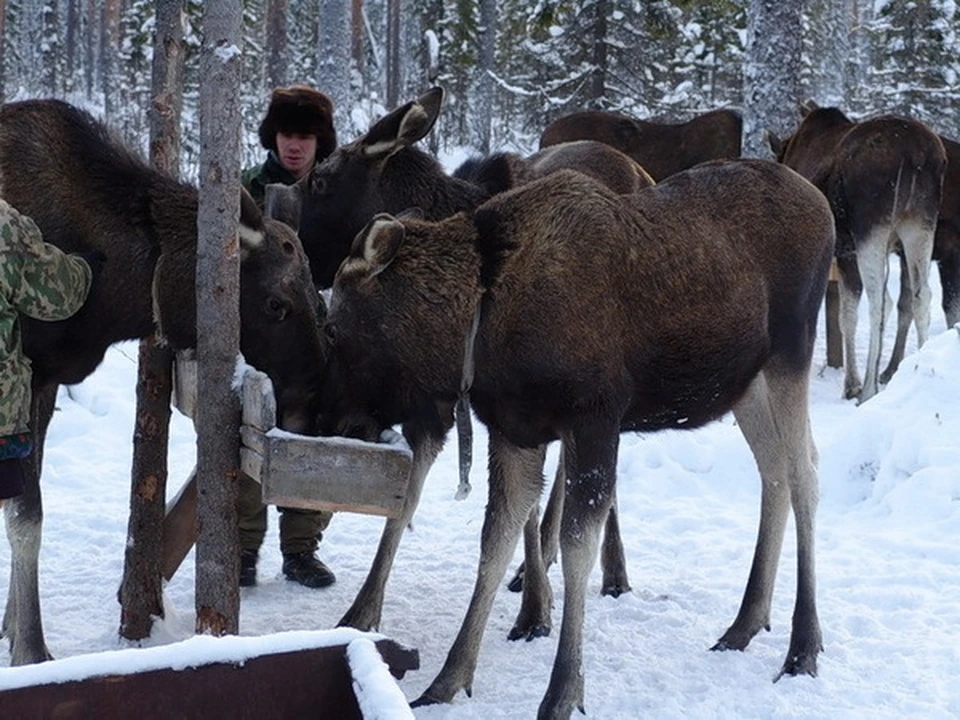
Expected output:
(805, 664)
(529, 632)
(615, 588)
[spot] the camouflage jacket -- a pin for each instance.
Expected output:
(42, 282)
(256, 179)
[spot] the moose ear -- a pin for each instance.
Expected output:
(251, 225)
(807, 107)
(379, 242)
(775, 142)
(404, 126)
(282, 202)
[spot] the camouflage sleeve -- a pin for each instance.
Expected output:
(46, 283)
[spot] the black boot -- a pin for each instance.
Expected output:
(308, 570)
(248, 567)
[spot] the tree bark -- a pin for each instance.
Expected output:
(3, 53)
(277, 56)
(109, 39)
(141, 591)
(218, 322)
(394, 76)
(771, 73)
(485, 69)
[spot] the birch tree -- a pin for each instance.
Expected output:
(771, 91)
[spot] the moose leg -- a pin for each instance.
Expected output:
(591, 459)
(533, 619)
(850, 290)
(949, 268)
(774, 420)
(548, 527)
(515, 484)
(22, 621)
(364, 613)
(873, 262)
(904, 319)
(917, 240)
(613, 562)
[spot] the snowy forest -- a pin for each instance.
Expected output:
(508, 66)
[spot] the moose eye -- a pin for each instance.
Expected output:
(276, 308)
(318, 184)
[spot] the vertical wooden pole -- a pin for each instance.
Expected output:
(141, 590)
(218, 321)
(832, 313)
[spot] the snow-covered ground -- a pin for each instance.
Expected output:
(888, 560)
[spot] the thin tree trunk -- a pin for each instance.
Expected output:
(50, 49)
(485, 68)
(356, 36)
(109, 38)
(141, 592)
(218, 321)
(70, 44)
(277, 55)
(89, 47)
(3, 50)
(771, 73)
(393, 53)
(598, 75)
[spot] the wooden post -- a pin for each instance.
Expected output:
(832, 313)
(141, 590)
(218, 322)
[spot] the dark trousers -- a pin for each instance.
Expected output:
(11, 478)
(300, 530)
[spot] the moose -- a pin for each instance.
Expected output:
(946, 253)
(661, 148)
(883, 178)
(86, 191)
(682, 311)
(383, 171)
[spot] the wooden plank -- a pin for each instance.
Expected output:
(259, 403)
(834, 335)
(253, 438)
(335, 473)
(179, 527)
(251, 463)
(306, 683)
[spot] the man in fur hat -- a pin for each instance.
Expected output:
(298, 133)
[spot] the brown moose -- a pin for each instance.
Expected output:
(596, 314)
(882, 177)
(87, 192)
(383, 171)
(661, 148)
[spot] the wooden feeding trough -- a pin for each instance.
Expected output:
(315, 473)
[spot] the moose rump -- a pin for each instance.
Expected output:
(692, 298)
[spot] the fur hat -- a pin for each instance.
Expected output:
(299, 110)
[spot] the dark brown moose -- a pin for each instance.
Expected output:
(946, 253)
(661, 148)
(596, 314)
(383, 171)
(883, 179)
(87, 192)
